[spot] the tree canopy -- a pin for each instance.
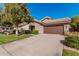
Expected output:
(15, 14)
(75, 21)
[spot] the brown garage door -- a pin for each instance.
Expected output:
(54, 29)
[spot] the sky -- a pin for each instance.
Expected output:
(1, 5)
(53, 10)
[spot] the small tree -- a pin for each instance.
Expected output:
(75, 21)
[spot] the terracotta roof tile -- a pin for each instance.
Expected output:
(59, 21)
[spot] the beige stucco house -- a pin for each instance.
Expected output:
(49, 25)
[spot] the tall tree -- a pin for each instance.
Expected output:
(0, 19)
(17, 14)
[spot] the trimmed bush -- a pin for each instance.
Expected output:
(27, 32)
(35, 32)
(72, 42)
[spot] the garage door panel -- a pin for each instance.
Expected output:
(54, 30)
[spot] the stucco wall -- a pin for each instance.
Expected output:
(66, 27)
(38, 27)
(24, 27)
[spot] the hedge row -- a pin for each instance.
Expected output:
(72, 42)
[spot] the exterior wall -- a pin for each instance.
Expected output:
(25, 27)
(38, 27)
(66, 27)
(54, 29)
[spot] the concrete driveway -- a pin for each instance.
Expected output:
(38, 45)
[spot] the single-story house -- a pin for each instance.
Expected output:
(57, 26)
(49, 26)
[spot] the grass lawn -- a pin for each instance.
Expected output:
(70, 53)
(9, 38)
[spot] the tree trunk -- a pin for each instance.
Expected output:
(17, 31)
(7, 33)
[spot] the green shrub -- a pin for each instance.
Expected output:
(72, 42)
(35, 32)
(27, 31)
(70, 53)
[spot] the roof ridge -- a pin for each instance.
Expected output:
(45, 18)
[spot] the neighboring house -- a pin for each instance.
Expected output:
(57, 26)
(5, 29)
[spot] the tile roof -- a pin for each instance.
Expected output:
(56, 21)
(47, 17)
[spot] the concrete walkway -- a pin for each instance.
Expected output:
(38, 45)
